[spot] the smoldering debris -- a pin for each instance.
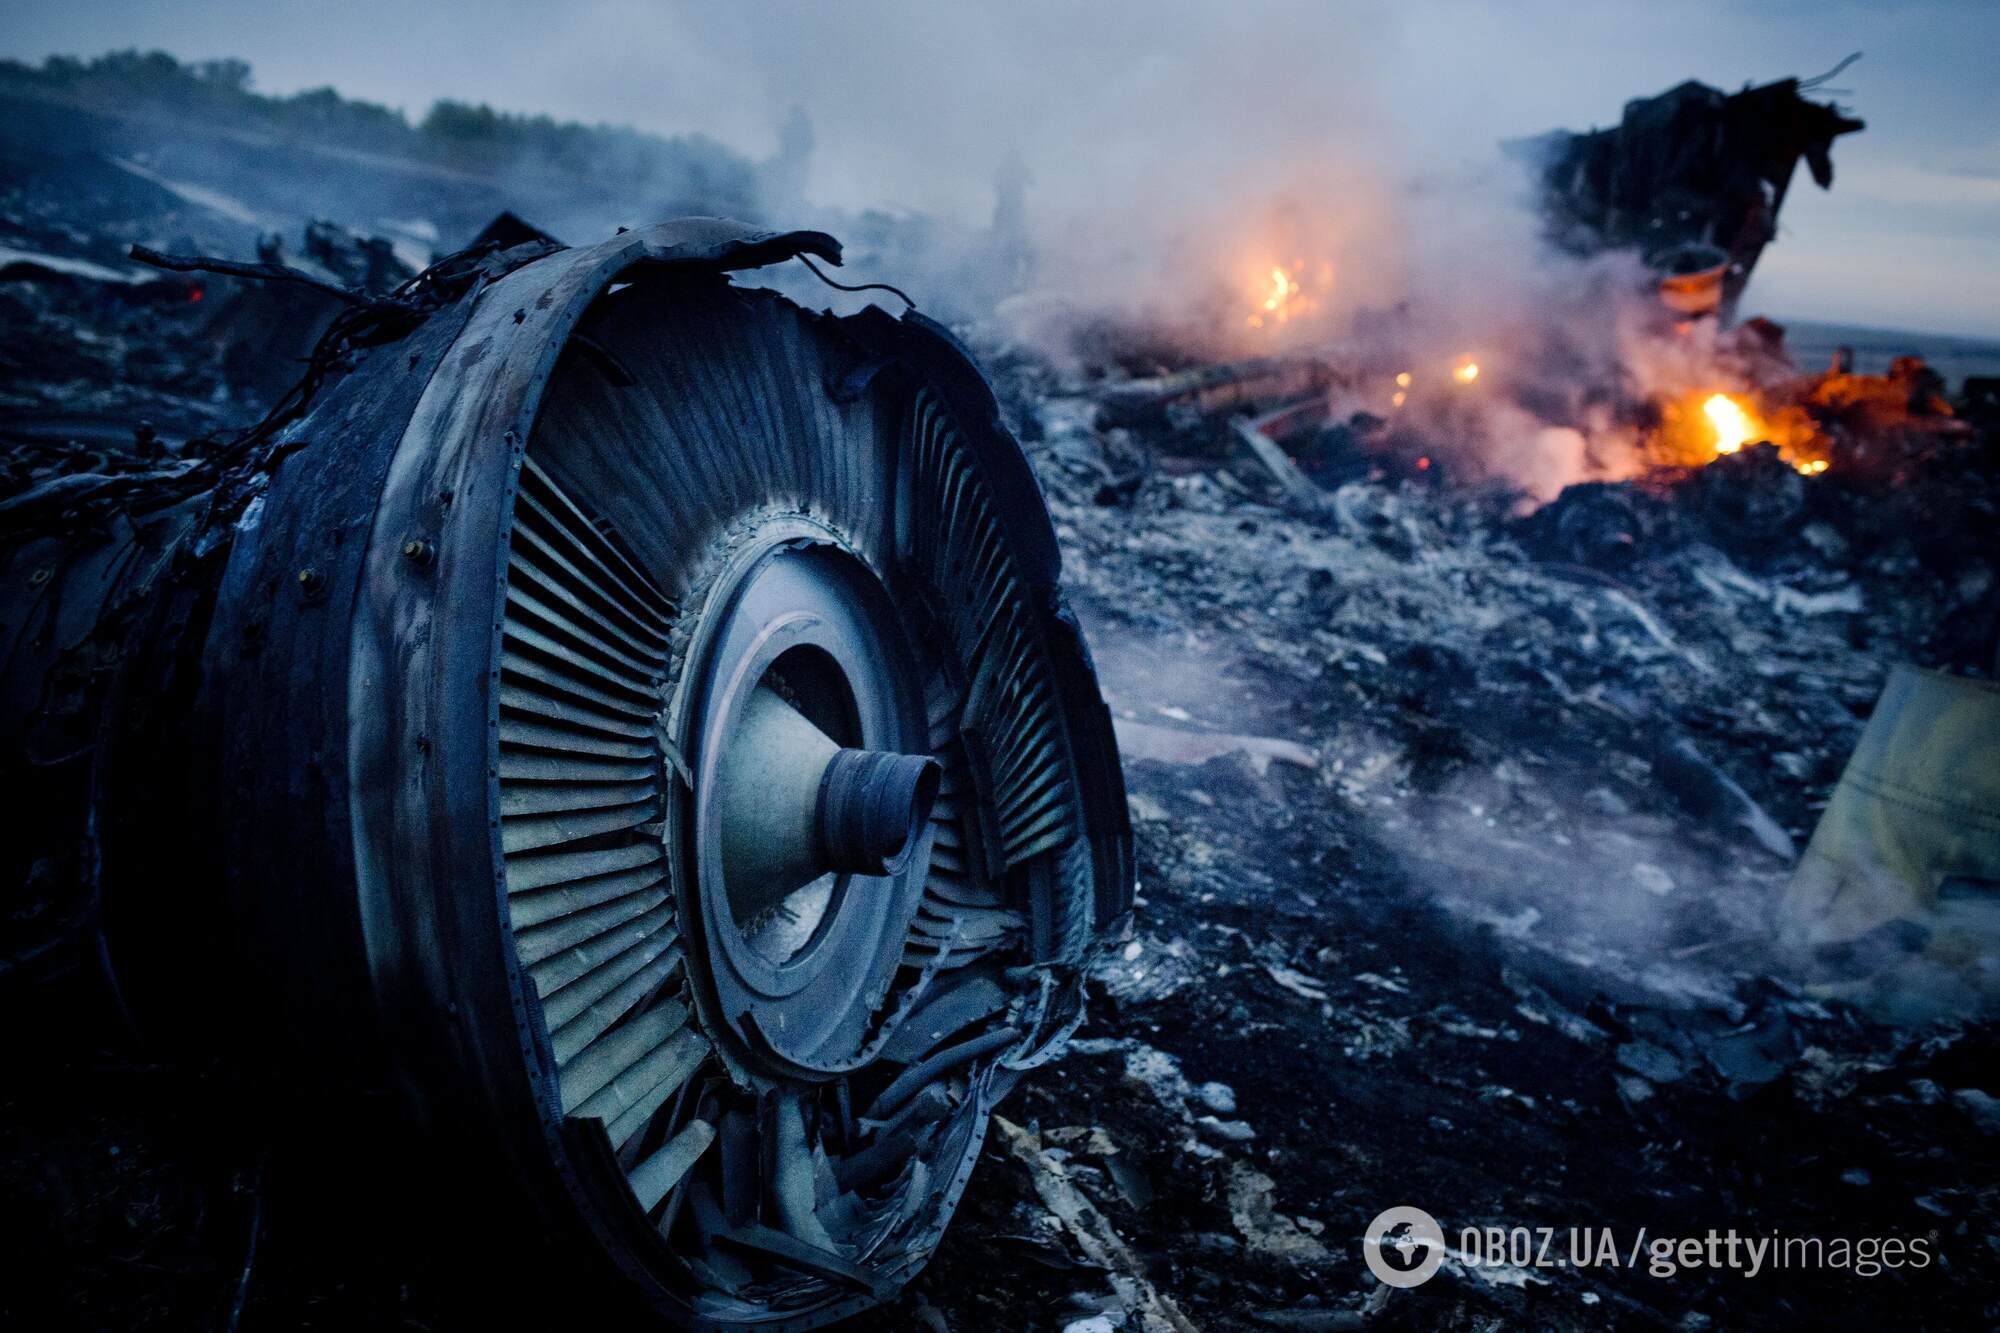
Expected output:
(1568, 695)
(1515, 932)
(1466, 818)
(1527, 902)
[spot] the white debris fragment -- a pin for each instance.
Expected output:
(1178, 745)
(1652, 879)
(1218, 1097)
(1234, 1131)
(1298, 983)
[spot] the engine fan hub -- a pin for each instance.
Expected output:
(796, 654)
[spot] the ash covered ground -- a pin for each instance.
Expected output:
(1460, 859)
(1483, 928)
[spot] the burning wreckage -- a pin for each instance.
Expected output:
(526, 711)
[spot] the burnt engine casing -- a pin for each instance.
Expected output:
(414, 728)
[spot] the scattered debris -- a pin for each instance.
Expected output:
(1264, 1228)
(1462, 829)
(1092, 1234)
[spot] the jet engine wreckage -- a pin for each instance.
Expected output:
(634, 714)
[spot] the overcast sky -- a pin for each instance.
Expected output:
(1116, 106)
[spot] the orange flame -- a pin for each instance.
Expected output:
(1731, 422)
(1466, 373)
(1285, 297)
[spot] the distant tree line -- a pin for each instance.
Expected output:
(458, 134)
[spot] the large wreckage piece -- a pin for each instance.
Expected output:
(1692, 179)
(633, 713)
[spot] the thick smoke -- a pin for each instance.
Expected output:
(1164, 115)
(1088, 169)
(1049, 168)
(1393, 275)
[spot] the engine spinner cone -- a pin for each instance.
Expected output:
(796, 805)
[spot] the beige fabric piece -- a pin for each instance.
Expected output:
(1912, 832)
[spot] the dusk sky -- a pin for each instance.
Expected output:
(914, 104)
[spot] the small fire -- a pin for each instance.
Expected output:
(1285, 294)
(1282, 291)
(1732, 424)
(1466, 373)
(1279, 301)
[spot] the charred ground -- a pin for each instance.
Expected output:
(1458, 865)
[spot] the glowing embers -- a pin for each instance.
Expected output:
(1732, 422)
(1462, 373)
(1286, 294)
